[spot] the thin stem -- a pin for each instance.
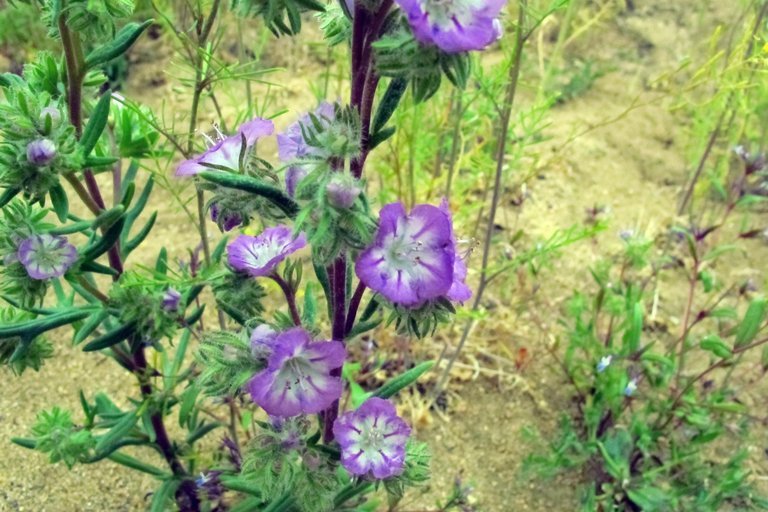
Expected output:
(455, 138)
(290, 297)
(501, 148)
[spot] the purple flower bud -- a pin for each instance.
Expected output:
(230, 220)
(41, 152)
(372, 439)
(171, 300)
(293, 177)
(46, 256)
(54, 114)
(342, 191)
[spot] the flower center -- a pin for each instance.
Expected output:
(372, 439)
(404, 254)
(448, 12)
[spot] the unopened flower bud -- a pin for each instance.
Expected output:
(40, 152)
(51, 112)
(171, 300)
(342, 191)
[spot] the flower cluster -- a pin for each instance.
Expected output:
(414, 258)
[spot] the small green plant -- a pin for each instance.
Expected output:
(655, 402)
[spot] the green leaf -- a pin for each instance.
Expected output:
(134, 242)
(309, 313)
(30, 444)
(90, 325)
(115, 48)
(243, 485)
(750, 325)
(9, 194)
(404, 380)
(363, 327)
(107, 443)
(716, 345)
(133, 463)
(380, 136)
(96, 124)
(650, 498)
(253, 186)
(202, 430)
(163, 496)
(389, 103)
(113, 337)
(60, 202)
(105, 242)
(634, 329)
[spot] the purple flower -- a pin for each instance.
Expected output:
(262, 341)
(412, 259)
(229, 221)
(459, 291)
(41, 152)
(171, 300)
(258, 256)
(454, 25)
(372, 439)
(298, 377)
(46, 256)
(631, 388)
(226, 151)
(291, 144)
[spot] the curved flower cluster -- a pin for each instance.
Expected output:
(258, 256)
(414, 257)
(299, 376)
(225, 152)
(373, 439)
(454, 25)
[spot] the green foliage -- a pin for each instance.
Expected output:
(644, 428)
(331, 228)
(139, 300)
(239, 296)
(38, 350)
(282, 17)
(226, 363)
(95, 19)
(282, 461)
(56, 435)
(399, 55)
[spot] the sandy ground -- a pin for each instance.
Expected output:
(634, 166)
